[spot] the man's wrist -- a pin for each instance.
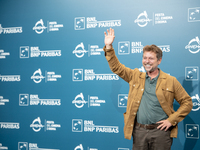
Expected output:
(108, 46)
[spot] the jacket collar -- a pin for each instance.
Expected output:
(160, 78)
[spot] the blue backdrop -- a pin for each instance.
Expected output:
(56, 88)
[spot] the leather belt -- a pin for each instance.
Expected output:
(147, 126)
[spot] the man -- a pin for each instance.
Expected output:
(149, 116)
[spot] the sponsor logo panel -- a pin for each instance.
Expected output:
(90, 75)
(26, 52)
(10, 30)
(9, 125)
(79, 125)
(37, 76)
(33, 99)
(3, 147)
(48, 125)
(156, 18)
(79, 101)
(3, 54)
(193, 45)
(127, 47)
(40, 27)
(80, 23)
(10, 78)
(196, 102)
(3, 101)
(93, 50)
(31, 146)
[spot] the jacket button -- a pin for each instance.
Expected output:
(141, 89)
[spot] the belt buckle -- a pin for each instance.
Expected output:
(145, 126)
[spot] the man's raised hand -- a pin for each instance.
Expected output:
(109, 38)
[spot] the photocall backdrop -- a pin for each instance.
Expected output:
(56, 89)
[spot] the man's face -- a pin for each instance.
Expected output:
(150, 61)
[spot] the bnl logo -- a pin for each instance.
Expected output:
(194, 14)
(124, 48)
(122, 100)
(192, 131)
(79, 23)
(22, 146)
(192, 73)
(24, 52)
(77, 125)
(23, 99)
(77, 75)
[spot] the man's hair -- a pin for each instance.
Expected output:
(155, 49)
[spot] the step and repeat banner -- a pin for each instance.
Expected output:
(56, 89)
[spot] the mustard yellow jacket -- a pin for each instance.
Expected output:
(168, 88)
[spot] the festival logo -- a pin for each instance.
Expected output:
(49, 76)
(3, 101)
(142, 19)
(196, 102)
(36, 125)
(193, 45)
(79, 50)
(48, 125)
(93, 50)
(3, 147)
(37, 76)
(51, 26)
(80, 147)
(79, 101)
(3, 54)
(158, 18)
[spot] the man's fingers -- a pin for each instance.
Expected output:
(108, 32)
